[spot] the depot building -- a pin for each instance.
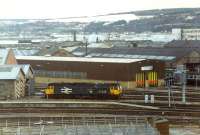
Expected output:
(130, 73)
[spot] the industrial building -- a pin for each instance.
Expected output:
(174, 53)
(189, 57)
(186, 52)
(12, 82)
(129, 72)
(186, 33)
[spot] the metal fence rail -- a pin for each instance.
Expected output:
(82, 130)
(77, 126)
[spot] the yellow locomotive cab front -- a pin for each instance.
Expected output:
(116, 91)
(49, 90)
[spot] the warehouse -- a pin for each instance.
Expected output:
(12, 82)
(174, 53)
(191, 59)
(129, 72)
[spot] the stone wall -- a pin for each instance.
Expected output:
(6, 89)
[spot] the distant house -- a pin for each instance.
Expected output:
(7, 57)
(54, 51)
(12, 82)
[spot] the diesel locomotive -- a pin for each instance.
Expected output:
(83, 90)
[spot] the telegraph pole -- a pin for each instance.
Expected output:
(74, 36)
(169, 92)
(168, 83)
(181, 72)
(86, 47)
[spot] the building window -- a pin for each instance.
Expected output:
(61, 74)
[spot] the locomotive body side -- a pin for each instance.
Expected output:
(62, 90)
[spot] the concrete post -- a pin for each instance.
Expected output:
(162, 125)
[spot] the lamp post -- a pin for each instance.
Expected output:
(86, 45)
(184, 86)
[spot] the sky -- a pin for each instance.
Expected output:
(38, 9)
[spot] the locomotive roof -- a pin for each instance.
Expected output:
(79, 59)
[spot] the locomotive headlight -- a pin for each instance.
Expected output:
(90, 91)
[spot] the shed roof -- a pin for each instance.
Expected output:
(9, 72)
(172, 51)
(26, 68)
(25, 52)
(195, 44)
(79, 59)
(155, 53)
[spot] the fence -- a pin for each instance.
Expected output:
(77, 126)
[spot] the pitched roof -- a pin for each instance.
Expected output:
(135, 52)
(173, 50)
(3, 55)
(25, 52)
(9, 72)
(184, 44)
(53, 51)
(25, 68)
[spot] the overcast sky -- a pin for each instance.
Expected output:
(67, 8)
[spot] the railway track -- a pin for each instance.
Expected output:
(178, 113)
(106, 110)
(174, 116)
(192, 95)
(160, 98)
(181, 114)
